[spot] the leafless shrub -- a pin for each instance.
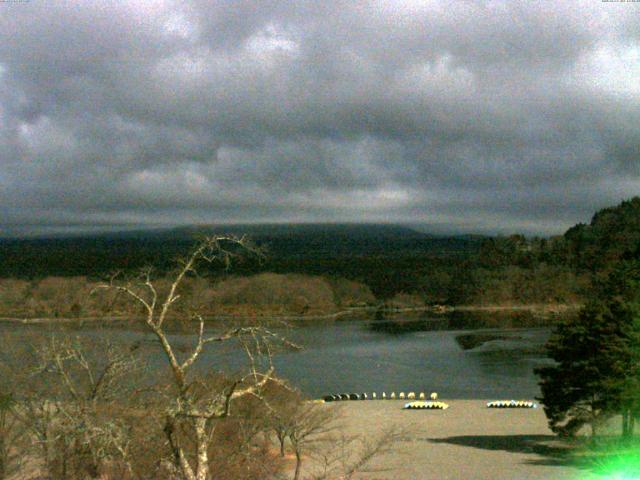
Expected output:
(13, 294)
(276, 293)
(345, 456)
(306, 427)
(59, 296)
(297, 423)
(66, 391)
(12, 434)
(265, 293)
(348, 293)
(242, 448)
(315, 435)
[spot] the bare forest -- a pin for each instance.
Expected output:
(76, 407)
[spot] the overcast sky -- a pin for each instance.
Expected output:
(478, 116)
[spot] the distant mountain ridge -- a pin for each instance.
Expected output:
(258, 229)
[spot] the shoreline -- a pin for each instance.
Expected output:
(540, 309)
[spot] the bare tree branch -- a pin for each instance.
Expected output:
(187, 404)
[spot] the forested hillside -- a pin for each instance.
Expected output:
(393, 263)
(612, 235)
(557, 269)
(389, 259)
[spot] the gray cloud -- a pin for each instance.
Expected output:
(475, 115)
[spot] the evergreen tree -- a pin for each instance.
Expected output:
(623, 287)
(597, 355)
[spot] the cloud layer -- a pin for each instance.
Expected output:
(474, 116)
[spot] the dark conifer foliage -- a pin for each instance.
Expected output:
(597, 355)
(612, 236)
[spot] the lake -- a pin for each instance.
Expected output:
(446, 354)
(353, 357)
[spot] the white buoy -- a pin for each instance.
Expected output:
(411, 395)
(393, 395)
(384, 395)
(401, 396)
(434, 396)
(422, 396)
(374, 396)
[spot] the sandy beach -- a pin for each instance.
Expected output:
(466, 441)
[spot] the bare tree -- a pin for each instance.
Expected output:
(194, 405)
(75, 397)
(317, 438)
(242, 447)
(68, 388)
(345, 456)
(309, 422)
(300, 423)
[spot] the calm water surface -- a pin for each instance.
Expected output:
(351, 357)
(366, 356)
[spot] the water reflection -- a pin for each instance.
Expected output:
(402, 326)
(398, 323)
(470, 341)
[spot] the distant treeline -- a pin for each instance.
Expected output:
(389, 259)
(261, 294)
(560, 269)
(395, 263)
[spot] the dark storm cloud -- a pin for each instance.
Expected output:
(487, 116)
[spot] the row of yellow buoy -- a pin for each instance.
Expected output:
(374, 396)
(421, 405)
(494, 404)
(511, 404)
